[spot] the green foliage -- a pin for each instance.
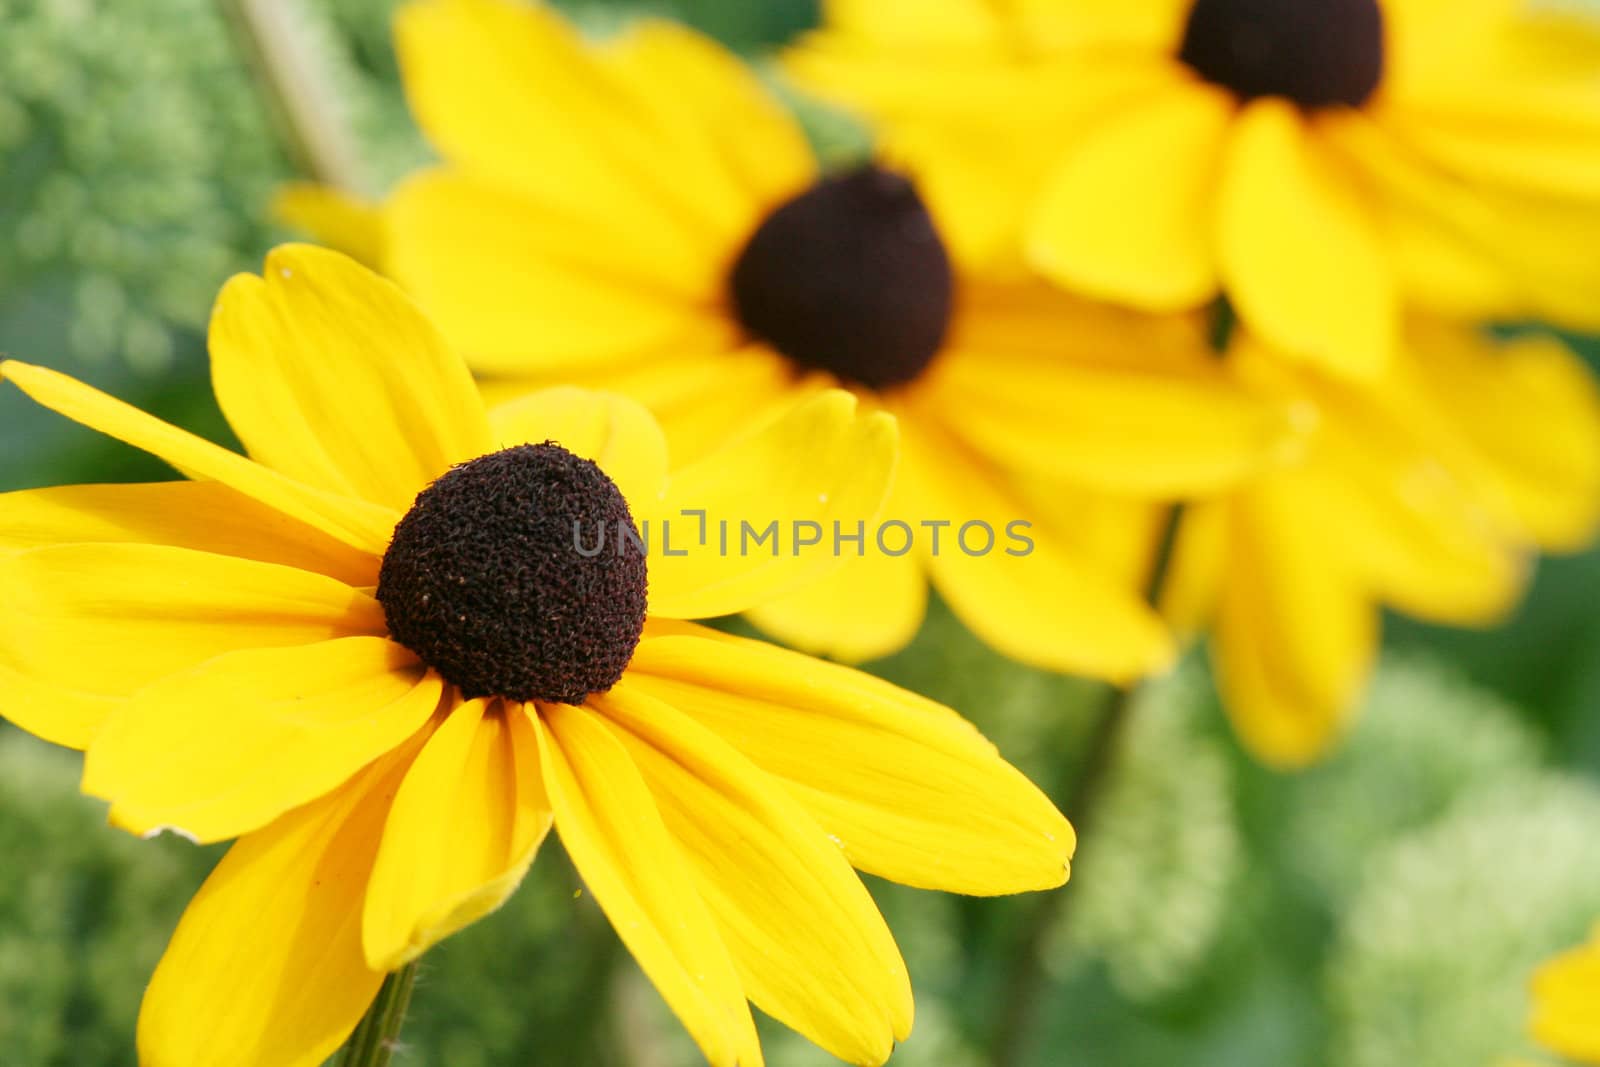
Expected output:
(1425, 739)
(745, 26)
(524, 986)
(137, 161)
(84, 913)
(1432, 963)
(1152, 883)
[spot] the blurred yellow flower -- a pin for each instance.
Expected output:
(642, 215)
(1566, 1003)
(1429, 493)
(1320, 162)
(371, 652)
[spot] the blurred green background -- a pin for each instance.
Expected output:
(1384, 909)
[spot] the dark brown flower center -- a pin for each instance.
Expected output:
(511, 576)
(1318, 53)
(849, 277)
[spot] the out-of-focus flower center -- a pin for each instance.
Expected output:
(849, 277)
(494, 580)
(1318, 53)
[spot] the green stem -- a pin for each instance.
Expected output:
(378, 1033)
(1018, 1017)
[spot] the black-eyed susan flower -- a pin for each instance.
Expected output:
(373, 652)
(642, 215)
(1566, 1003)
(1318, 161)
(1429, 493)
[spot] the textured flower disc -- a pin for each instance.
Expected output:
(849, 277)
(1318, 53)
(485, 582)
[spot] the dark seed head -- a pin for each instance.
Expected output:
(1318, 53)
(849, 277)
(485, 582)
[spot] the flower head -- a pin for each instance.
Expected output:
(645, 217)
(1319, 162)
(371, 652)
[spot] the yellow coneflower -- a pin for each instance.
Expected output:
(642, 215)
(374, 652)
(1319, 162)
(1430, 493)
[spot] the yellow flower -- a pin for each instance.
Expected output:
(1566, 1003)
(370, 651)
(1429, 493)
(643, 216)
(1318, 161)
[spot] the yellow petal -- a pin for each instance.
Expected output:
(612, 829)
(1445, 272)
(871, 606)
(982, 133)
(979, 198)
(464, 828)
(1198, 570)
(1147, 431)
(705, 401)
(1293, 230)
(206, 516)
(357, 523)
(1538, 139)
(719, 107)
(808, 941)
(1028, 595)
(58, 713)
(908, 789)
(1520, 420)
(1412, 530)
(110, 619)
(334, 218)
(1471, 249)
(1037, 26)
(266, 966)
(1429, 43)
(1565, 992)
(613, 431)
(820, 463)
(551, 88)
(227, 747)
(1296, 633)
(1163, 155)
(1434, 227)
(941, 116)
(524, 288)
(330, 375)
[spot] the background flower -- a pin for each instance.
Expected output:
(1278, 152)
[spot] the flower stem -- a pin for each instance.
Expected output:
(378, 1033)
(306, 109)
(1018, 1016)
